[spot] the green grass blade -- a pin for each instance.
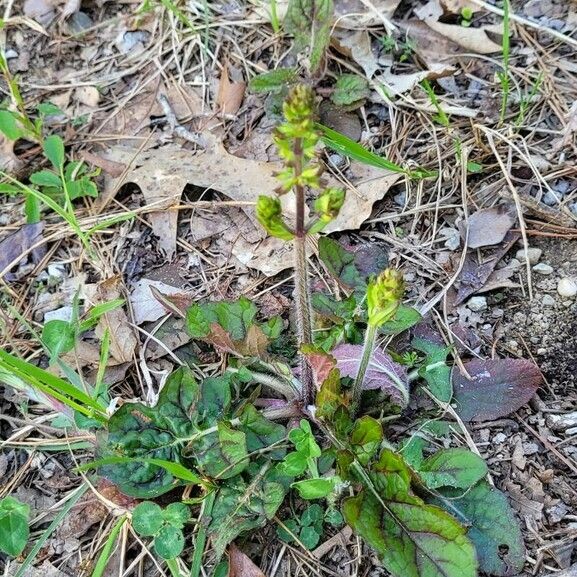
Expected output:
(51, 385)
(175, 469)
(23, 569)
(107, 550)
(347, 147)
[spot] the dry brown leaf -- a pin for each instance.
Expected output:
(166, 171)
(9, 162)
(401, 83)
(489, 226)
(145, 306)
(356, 45)
(239, 565)
(437, 8)
(230, 94)
(122, 340)
(473, 39)
(455, 6)
(359, 14)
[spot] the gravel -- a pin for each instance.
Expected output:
(533, 255)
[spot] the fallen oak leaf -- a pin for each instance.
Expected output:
(473, 39)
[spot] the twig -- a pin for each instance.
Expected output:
(175, 126)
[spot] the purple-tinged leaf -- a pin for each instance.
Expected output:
(497, 388)
(382, 374)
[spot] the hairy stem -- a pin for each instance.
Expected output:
(368, 347)
(302, 293)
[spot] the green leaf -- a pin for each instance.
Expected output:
(13, 526)
(228, 326)
(215, 399)
(49, 109)
(294, 464)
(412, 539)
(366, 438)
(222, 454)
(176, 514)
(351, 149)
(455, 467)
(341, 263)
(136, 430)
(46, 178)
(309, 537)
(9, 126)
(147, 518)
(262, 433)
(240, 507)
(169, 542)
(335, 310)
(314, 488)
(310, 22)
(493, 527)
(58, 337)
(434, 369)
(404, 319)
(292, 526)
(273, 81)
(53, 147)
(273, 327)
(312, 515)
(350, 89)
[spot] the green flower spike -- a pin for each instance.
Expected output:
(269, 214)
(384, 295)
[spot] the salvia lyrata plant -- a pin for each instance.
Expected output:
(307, 412)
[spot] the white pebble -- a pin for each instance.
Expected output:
(567, 287)
(533, 255)
(548, 301)
(543, 268)
(477, 304)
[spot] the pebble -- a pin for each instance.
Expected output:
(562, 422)
(533, 255)
(567, 287)
(337, 160)
(497, 313)
(514, 263)
(557, 512)
(499, 438)
(543, 268)
(530, 448)
(400, 198)
(477, 304)
(548, 301)
(552, 199)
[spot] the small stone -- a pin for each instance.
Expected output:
(557, 512)
(543, 268)
(567, 287)
(514, 263)
(485, 435)
(499, 438)
(572, 431)
(497, 313)
(562, 422)
(336, 160)
(533, 255)
(530, 449)
(548, 301)
(551, 199)
(400, 198)
(477, 304)
(562, 186)
(541, 352)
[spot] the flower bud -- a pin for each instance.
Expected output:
(269, 214)
(329, 203)
(384, 294)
